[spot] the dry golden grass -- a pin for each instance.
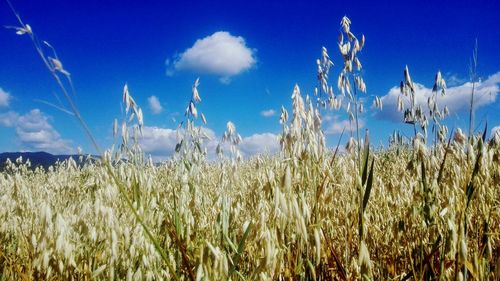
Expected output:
(261, 219)
(402, 212)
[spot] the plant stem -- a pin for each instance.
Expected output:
(473, 77)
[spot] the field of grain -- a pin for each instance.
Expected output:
(274, 217)
(421, 208)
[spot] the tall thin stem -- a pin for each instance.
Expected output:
(357, 124)
(473, 77)
(71, 103)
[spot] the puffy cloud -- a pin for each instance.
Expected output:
(494, 130)
(219, 54)
(268, 113)
(155, 105)
(265, 143)
(160, 143)
(35, 133)
(4, 98)
(8, 119)
(335, 125)
(457, 98)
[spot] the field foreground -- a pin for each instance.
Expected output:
(266, 218)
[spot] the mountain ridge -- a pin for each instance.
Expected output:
(37, 158)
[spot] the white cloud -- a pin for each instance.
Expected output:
(335, 125)
(35, 133)
(4, 98)
(259, 144)
(8, 119)
(453, 79)
(155, 105)
(219, 54)
(160, 143)
(494, 130)
(268, 113)
(457, 98)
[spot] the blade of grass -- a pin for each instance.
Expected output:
(368, 189)
(366, 154)
(424, 178)
(485, 131)
(311, 269)
(241, 246)
(470, 186)
(230, 243)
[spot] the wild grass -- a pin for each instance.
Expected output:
(408, 211)
(262, 220)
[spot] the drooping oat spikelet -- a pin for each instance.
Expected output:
(365, 262)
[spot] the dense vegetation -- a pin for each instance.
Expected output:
(425, 208)
(264, 218)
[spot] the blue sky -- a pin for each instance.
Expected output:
(248, 55)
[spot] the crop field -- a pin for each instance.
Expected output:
(280, 217)
(423, 207)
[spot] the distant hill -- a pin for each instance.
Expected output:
(37, 159)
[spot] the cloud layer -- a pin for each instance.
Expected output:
(160, 143)
(220, 54)
(457, 98)
(334, 125)
(260, 144)
(4, 98)
(35, 133)
(494, 130)
(155, 105)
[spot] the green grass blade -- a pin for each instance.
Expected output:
(424, 178)
(470, 186)
(485, 131)
(366, 154)
(241, 246)
(369, 184)
(230, 243)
